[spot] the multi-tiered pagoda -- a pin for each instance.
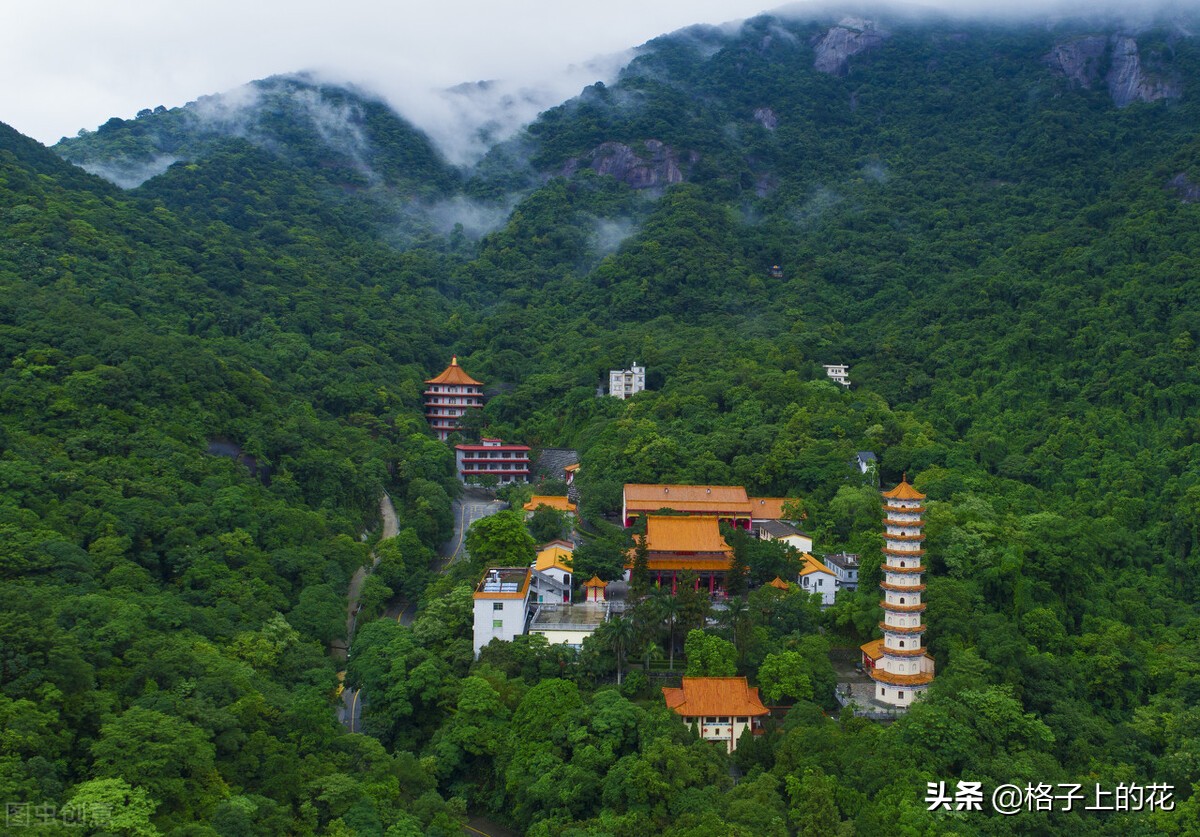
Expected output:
(898, 664)
(449, 396)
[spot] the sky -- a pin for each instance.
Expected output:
(72, 64)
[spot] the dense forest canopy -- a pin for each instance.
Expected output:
(1000, 241)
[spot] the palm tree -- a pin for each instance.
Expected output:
(617, 635)
(669, 608)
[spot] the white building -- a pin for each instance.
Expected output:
(815, 577)
(552, 573)
(623, 383)
(777, 530)
(501, 605)
(845, 567)
(568, 624)
(839, 373)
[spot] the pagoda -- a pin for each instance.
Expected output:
(449, 396)
(898, 664)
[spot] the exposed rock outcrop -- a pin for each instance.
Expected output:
(1183, 186)
(1081, 60)
(657, 166)
(850, 37)
(1129, 82)
(767, 118)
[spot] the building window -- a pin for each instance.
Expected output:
(497, 623)
(497, 605)
(900, 695)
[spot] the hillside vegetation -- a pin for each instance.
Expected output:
(1005, 257)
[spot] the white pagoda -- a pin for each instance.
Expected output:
(898, 663)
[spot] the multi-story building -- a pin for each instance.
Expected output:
(552, 573)
(449, 396)
(719, 709)
(839, 373)
(845, 567)
(507, 463)
(501, 605)
(898, 663)
(622, 383)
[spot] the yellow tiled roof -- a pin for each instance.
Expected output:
(553, 558)
(666, 533)
(812, 565)
(687, 498)
(560, 503)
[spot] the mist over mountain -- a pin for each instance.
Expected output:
(994, 223)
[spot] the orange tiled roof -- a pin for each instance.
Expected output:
(768, 508)
(873, 649)
(709, 696)
(553, 558)
(562, 504)
(812, 565)
(779, 584)
(572, 468)
(686, 498)
(922, 679)
(904, 491)
(666, 533)
(454, 374)
(595, 581)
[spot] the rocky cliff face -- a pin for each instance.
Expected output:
(1082, 61)
(1128, 81)
(654, 166)
(850, 37)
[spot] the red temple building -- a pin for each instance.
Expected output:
(685, 544)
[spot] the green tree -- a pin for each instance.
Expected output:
(709, 655)
(500, 540)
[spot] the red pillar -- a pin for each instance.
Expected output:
(673, 579)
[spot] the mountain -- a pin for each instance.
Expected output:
(993, 224)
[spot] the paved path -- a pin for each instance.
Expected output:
(350, 709)
(474, 504)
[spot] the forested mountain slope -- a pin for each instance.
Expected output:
(993, 225)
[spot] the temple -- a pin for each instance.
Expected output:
(677, 544)
(728, 503)
(898, 664)
(449, 396)
(719, 709)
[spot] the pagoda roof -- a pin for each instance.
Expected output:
(595, 581)
(708, 499)
(779, 584)
(714, 696)
(904, 491)
(454, 374)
